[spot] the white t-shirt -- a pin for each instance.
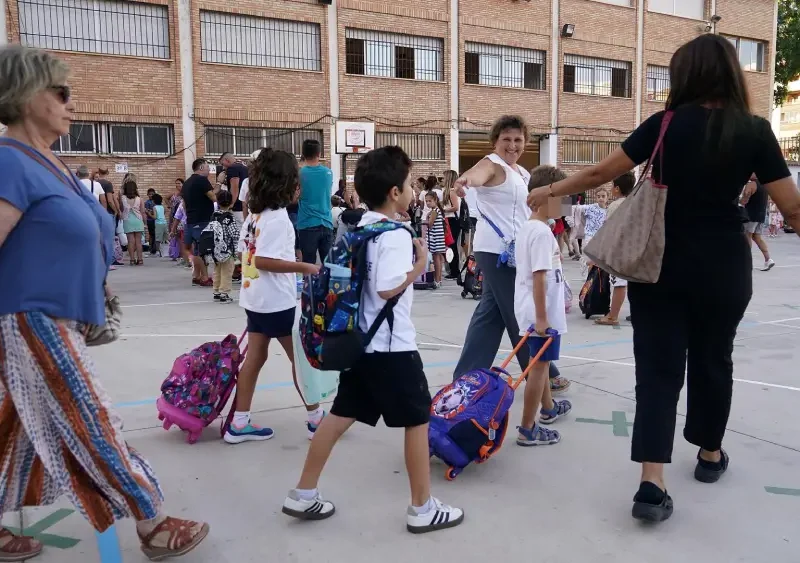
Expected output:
(537, 250)
(425, 209)
(390, 258)
(506, 205)
(243, 189)
(94, 187)
(472, 203)
(270, 235)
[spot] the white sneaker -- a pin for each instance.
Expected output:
(441, 516)
(314, 509)
(768, 265)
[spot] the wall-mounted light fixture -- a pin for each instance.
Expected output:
(568, 30)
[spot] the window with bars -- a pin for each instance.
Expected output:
(751, 53)
(628, 3)
(96, 26)
(248, 40)
(140, 139)
(80, 139)
(243, 141)
(580, 151)
(657, 83)
(601, 77)
(418, 146)
(695, 9)
(375, 53)
(495, 65)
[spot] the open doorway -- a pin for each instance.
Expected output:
(474, 145)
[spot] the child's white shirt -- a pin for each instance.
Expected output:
(536, 251)
(269, 234)
(390, 257)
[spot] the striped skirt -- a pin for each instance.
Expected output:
(58, 434)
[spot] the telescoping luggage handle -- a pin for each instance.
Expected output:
(514, 383)
(229, 418)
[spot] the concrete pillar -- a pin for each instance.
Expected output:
(333, 92)
(454, 82)
(772, 58)
(3, 22)
(548, 150)
(187, 83)
(637, 88)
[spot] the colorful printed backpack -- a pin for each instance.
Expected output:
(331, 301)
(201, 381)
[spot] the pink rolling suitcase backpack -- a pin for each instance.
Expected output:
(197, 389)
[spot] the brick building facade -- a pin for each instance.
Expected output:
(161, 82)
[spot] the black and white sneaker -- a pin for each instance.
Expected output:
(225, 298)
(314, 509)
(441, 516)
(216, 296)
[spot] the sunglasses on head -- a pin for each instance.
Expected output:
(63, 92)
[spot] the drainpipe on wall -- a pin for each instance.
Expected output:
(773, 56)
(333, 90)
(454, 83)
(639, 60)
(187, 83)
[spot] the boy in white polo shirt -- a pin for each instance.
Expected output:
(388, 380)
(539, 301)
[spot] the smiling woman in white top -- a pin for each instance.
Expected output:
(501, 188)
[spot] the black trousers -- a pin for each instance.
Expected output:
(455, 228)
(313, 242)
(686, 324)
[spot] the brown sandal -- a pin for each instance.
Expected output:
(17, 548)
(180, 541)
(606, 321)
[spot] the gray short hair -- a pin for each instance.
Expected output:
(82, 172)
(24, 72)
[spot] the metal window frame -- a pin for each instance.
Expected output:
(271, 25)
(594, 64)
(393, 140)
(97, 43)
(512, 54)
(139, 128)
(595, 144)
(96, 140)
(393, 40)
(661, 74)
(264, 135)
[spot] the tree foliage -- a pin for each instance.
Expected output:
(787, 60)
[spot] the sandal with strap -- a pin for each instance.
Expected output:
(17, 548)
(180, 539)
(606, 321)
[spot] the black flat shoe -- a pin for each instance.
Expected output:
(647, 511)
(709, 471)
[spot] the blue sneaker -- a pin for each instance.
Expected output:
(537, 436)
(560, 408)
(312, 428)
(249, 433)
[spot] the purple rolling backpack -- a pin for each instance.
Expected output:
(469, 417)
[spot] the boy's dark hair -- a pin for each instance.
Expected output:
(224, 198)
(273, 181)
(311, 148)
(198, 162)
(151, 192)
(378, 171)
(625, 183)
(157, 199)
(544, 175)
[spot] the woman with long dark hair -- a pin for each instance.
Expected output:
(712, 145)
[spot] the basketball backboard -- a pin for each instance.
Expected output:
(353, 137)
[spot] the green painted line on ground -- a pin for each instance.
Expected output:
(617, 327)
(51, 540)
(618, 420)
(783, 491)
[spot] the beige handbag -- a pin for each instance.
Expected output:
(630, 244)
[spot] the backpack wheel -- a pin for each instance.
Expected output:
(451, 473)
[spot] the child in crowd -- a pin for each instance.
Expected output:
(176, 231)
(436, 238)
(224, 247)
(269, 286)
(388, 379)
(539, 302)
(775, 219)
(593, 216)
(160, 215)
(622, 188)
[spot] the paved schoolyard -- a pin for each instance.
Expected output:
(564, 504)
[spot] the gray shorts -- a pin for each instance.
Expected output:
(754, 228)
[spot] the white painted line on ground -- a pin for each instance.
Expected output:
(126, 335)
(779, 321)
(209, 301)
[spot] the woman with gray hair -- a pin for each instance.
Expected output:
(58, 433)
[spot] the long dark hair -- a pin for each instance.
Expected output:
(130, 189)
(706, 70)
(273, 181)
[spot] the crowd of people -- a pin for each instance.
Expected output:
(272, 220)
